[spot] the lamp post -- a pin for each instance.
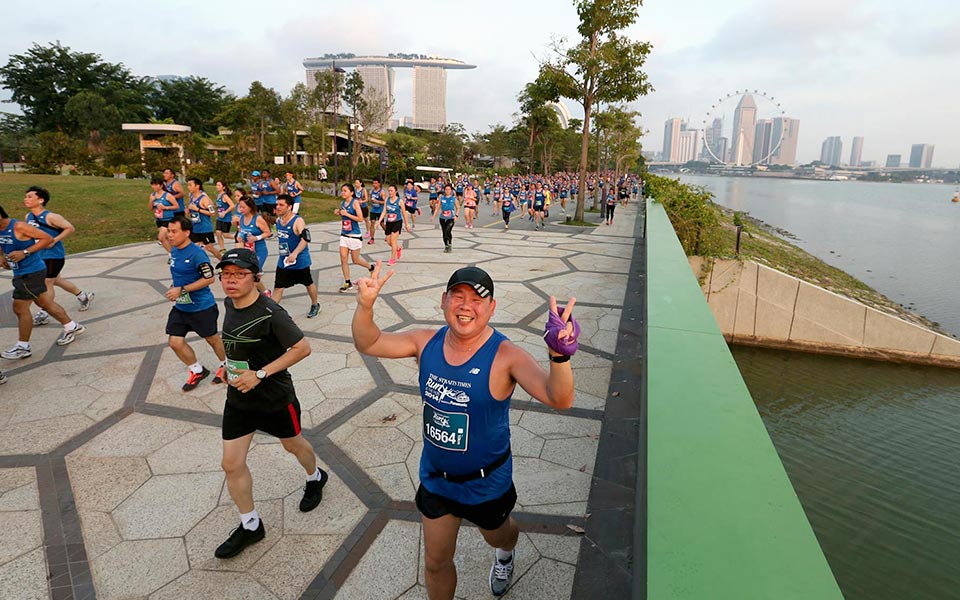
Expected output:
(336, 118)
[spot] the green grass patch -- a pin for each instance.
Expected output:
(577, 223)
(110, 212)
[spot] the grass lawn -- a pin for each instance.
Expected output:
(110, 212)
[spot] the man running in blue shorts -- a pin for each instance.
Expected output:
(468, 373)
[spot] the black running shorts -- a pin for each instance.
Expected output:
(223, 226)
(287, 278)
(54, 266)
(486, 515)
(162, 224)
(201, 238)
(29, 286)
(365, 211)
(283, 423)
(268, 209)
(202, 322)
(393, 227)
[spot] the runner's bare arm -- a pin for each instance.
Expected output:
(265, 231)
(367, 337)
(44, 240)
(556, 388)
(61, 223)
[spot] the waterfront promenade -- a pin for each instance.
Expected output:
(110, 480)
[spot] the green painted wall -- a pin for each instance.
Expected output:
(723, 519)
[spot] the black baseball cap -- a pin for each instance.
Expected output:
(244, 258)
(475, 277)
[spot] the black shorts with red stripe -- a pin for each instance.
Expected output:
(283, 423)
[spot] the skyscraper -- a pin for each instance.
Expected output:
(429, 97)
(830, 151)
(786, 130)
(893, 160)
(689, 145)
(744, 121)
(377, 81)
(856, 150)
(671, 139)
(763, 141)
(921, 156)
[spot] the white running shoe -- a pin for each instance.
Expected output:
(41, 318)
(16, 353)
(68, 336)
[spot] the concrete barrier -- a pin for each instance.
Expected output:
(756, 305)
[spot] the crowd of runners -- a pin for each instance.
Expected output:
(468, 370)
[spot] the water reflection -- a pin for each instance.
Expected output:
(873, 451)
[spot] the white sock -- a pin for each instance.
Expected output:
(316, 475)
(504, 555)
(196, 368)
(250, 520)
(81, 295)
(21, 344)
(70, 326)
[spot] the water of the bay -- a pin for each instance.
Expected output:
(901, 239)
(872, 450)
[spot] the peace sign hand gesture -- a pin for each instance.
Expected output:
(368, 288)
(562, 330)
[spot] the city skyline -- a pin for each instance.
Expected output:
(856, 68)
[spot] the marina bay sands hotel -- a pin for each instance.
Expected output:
(429, 80)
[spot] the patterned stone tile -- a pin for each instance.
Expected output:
(138, 568)
(18, 490)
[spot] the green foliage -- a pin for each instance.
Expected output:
(694, 216)
(89, 115)
(44, 79)
(193, 101)
(603, 66)
(54, 150)
(446, 147)
(121, 154)
(738, 219)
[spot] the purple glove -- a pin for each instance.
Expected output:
(551, 332)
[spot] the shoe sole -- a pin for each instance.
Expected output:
(18, 356)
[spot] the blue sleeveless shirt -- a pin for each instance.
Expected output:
(464, 427)
(393, 210)
(40, 221)
(201, 223)
(288, 242)
(349, 227)
(172, 192)
(376, 201)
(9, 243)
(448, 207)
(251, 230)
(222, 207)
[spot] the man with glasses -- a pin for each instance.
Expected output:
(262, 342)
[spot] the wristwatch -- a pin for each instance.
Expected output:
(559, 359)
(261, 374)
(26, 253)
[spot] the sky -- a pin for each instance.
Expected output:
(885, 70)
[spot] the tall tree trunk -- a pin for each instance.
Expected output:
(533, 138)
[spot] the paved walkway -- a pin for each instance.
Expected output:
(110, 480)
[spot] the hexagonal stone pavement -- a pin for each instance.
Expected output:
(110, 477)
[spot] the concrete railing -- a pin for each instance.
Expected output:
(756, 305)
(722, 519)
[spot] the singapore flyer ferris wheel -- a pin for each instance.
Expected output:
(752, 137)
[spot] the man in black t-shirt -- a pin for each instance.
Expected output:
(261, 342)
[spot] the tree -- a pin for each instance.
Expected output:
(498, 143)
(603, 66)
(193, 101)
(44, 78)
(89, 115)
(536, 116)
(294, 115)
(446, 147)
(354, 98)
(253, 114)
(54, 151)
(324, 98)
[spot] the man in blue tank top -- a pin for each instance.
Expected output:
(54, 257)
(194, 307)
(293, 265)
(174, 189)
(468, 373)
(269, 187)
(20, 247)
